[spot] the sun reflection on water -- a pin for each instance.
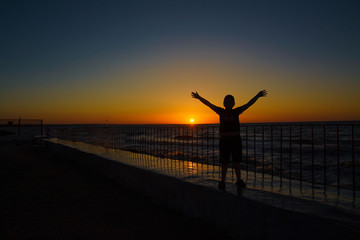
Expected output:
(192, 167)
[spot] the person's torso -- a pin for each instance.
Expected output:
(229, 122)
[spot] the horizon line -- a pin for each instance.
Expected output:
(216, 123)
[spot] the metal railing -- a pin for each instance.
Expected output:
(324, 155)
(21, 127)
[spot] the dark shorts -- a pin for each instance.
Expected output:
(230, 146)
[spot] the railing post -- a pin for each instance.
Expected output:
(192, 143)
(272, 153)
(247, 152)
(184, 142)
(312, 157)
(301, 154)
(324, 136)
(207, 145)
(213, 149)
(202, 144)
(263, 154)
(120, 137)
(254, 152)
(41, 128)
(19, 126)
(338, 158)
(197, 144)
(281, 154)
(353, 160)
(290, 152)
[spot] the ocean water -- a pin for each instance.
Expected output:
(326, 153)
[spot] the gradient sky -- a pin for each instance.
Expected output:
(138, 61)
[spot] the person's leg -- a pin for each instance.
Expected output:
(236, 165)
(224, 160)
(224, 168)
(237, 157)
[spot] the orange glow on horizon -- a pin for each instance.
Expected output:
(148, 97)
(181, 118)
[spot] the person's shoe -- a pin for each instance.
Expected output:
(241, 184)
(221, 185)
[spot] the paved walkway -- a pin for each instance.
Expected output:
(44, 196)
(268, 192)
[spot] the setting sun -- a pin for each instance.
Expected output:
(191, 120)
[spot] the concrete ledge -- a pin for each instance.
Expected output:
(244, 217)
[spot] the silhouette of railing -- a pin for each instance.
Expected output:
(21, 127)
(324, 155)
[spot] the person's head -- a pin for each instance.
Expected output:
(229, 102)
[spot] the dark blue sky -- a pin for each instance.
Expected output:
(62, 41)
(53, 34)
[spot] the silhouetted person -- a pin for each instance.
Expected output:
(230, 140)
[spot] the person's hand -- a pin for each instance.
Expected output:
(195, 95)
(262, 93)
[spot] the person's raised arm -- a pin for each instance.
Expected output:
(262, 93)
(204, 101)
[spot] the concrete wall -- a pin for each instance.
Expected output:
(244, 217)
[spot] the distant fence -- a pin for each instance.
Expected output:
(325, 154)
(21, 127)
